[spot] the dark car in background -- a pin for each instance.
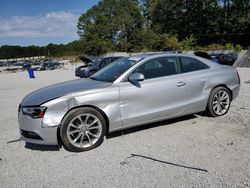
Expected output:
(207, 56)
(227, 59)
(50, 65)
(223, 59)
(204, 55)
(93, 66)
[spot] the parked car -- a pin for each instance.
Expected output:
(227, 59)
(93, 66)
(131, 91)
(204, 55)
(50, 65)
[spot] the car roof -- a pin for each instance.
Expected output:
(167, 54)
(112, 56)
(147, 55)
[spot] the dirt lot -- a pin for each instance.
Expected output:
(193, 151)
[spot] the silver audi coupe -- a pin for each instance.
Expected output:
(131, 91)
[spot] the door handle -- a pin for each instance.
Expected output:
(180, 84)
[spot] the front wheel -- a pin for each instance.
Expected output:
(219, 102)
(83, 129)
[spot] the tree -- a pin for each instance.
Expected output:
(188, 43)
(116, 23)
(209, 21)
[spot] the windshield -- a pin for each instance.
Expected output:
(233, 55)
(95, 61)
(111, 72)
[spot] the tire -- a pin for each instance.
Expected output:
(82, 129)
(91, 73)
(215, 99)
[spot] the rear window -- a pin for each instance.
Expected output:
(190, 64)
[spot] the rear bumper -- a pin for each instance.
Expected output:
(235, 91)
(31, 131)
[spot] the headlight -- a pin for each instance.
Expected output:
(34, 112)
(19, 108)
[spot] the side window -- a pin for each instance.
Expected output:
(190, 64)
(153, 65)
(159, 67)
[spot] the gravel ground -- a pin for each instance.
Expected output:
(193, 151)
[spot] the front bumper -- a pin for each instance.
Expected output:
(81, 73)
(31, 131)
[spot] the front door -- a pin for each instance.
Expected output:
(158, 97)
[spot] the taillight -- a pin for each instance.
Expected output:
(238, 75)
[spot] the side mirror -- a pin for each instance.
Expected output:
(136, 77)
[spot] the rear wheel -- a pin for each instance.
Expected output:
(83, 129)
(219, 102)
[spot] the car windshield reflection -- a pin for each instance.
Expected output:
(111, 72)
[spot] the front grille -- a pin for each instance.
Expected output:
(32, 135)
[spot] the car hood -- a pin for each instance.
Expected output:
(87, 67)
(45, 94)
(85, 59)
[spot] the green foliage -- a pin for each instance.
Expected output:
(167, 24)
(72, 48)
(153, 25)
(214, 46)
(173, 43)
(95, 46)
(188, 43)
(7, 52)
(53, 50)
(112, 25)
(208, 21)
(238, 47)
(229, 46)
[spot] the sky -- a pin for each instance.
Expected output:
(40, 22)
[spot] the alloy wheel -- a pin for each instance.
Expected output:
(221, 102)
(84, 130)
